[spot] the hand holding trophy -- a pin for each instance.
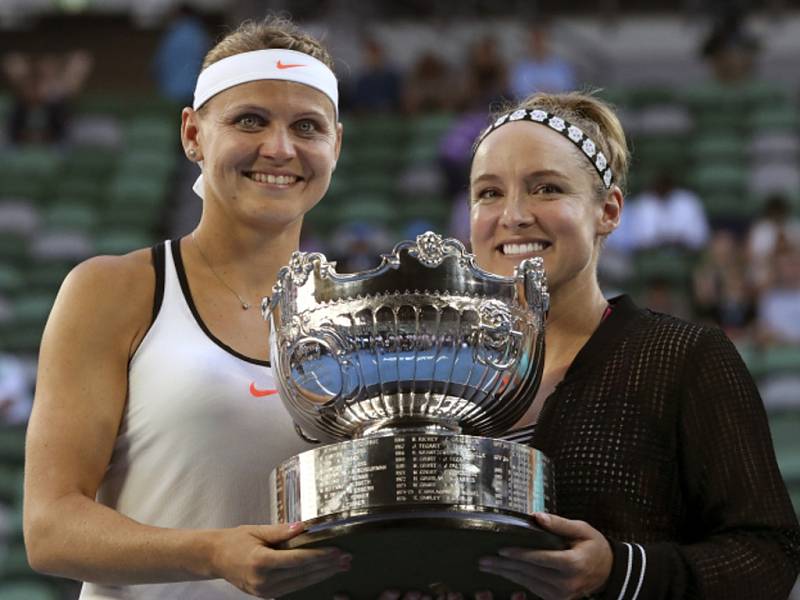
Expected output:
(410, 369)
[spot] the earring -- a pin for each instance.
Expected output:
(191, 153)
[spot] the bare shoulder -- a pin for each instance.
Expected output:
(109, 293)
(101, 312)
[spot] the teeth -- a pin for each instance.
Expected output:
(512, 249)
(273, 179)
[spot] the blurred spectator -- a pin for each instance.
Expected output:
(428, 86)
(660, 295)
(666, 216)
(721, 293)
(779, 302)
(42, 87)
(16, 393)
(540, 70)
(487, 75)
(377, 87)
(485, 88)
(179, 56)
(458, 223)
(455, 150)
(775, 229)
(357, 246)
(730, 48)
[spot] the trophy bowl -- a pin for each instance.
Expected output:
(407, 373)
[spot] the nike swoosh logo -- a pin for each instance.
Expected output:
(257, 393)
(280, 65)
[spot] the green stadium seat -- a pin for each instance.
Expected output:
(28, 590)
(379, 183)
(73, 216)
(37, 161)
(431, 126)
(12, 279)
(369, 208)
(5, 104)
(90, 163)
(718, 178)
(433, 209)
(650, 95)
(32, 308)
(422, 151)
(730, 207)
(781, 118)
(14, 564)
(714, 97)
(13, 247)
(152, 132)
(718, 148)
(147, 163)
(794, 494)
(136, 191)
(24, 185)
(12, 446)
(652, 152)
(380, 129)
(782, 359)
(785, 426)
(118, 242)
(77, 188)
(675, 267)
(11, 484)
(46, 276)
(126, 105)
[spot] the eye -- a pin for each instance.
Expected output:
(250, 121)
(307, 126)
(547, 188)
(487, 195)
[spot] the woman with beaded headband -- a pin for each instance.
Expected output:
(666, 478)
(156, 420)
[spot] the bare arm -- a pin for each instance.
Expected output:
(100, 315)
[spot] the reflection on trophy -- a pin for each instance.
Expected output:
(408, 372)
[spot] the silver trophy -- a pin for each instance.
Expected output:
(408, 372)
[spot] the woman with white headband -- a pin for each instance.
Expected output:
(666, 480)
(157, 422)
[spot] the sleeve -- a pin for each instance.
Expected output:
(739, 533)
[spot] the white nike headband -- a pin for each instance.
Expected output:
(273, 63)
(270, 64)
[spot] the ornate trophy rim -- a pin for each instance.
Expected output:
(315, 311)
(430, 249)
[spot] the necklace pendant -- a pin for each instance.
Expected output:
(245, 305)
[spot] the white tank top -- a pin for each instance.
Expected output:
(201, 431)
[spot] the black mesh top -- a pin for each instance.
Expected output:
(660, 441)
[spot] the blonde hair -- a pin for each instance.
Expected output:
(271, 32)
(594, 116)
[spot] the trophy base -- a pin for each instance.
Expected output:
(433, 552)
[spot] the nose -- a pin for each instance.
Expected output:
(277, 143)
(517, 213)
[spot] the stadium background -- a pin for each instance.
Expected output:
(708, 93)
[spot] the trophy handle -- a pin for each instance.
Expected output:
(530, 272)
(319, 402)
(496, 336)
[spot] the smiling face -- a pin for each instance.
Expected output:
(268, 150)
(533, 194)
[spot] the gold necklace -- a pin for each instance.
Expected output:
(245, 305)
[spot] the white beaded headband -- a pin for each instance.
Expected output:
(571, 132)
(257, 65)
